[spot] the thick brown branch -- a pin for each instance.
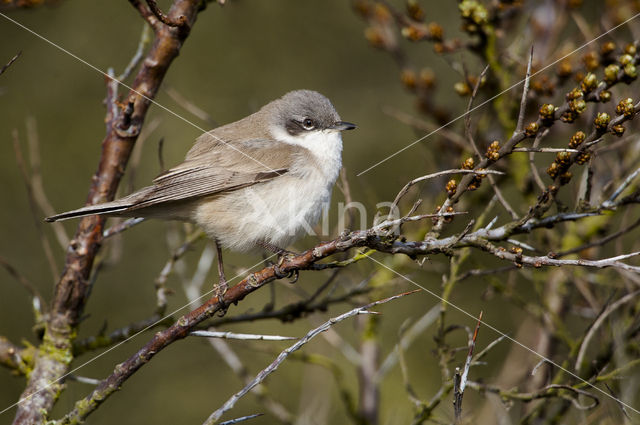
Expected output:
(70, 295)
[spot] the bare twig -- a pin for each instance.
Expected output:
(461, 383)
(39, 303)
(175, 21)
(408, 186)
(525, 93)
(245, 337)
(33, 204)
(609, 202)
(244, 418)
(121, 227)
(72, 289)
(145, 40)
(8, 64)
(597, 323)
(282, 357)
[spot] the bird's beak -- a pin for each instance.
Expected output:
(343, 125)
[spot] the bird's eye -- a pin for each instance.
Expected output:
(308, 124)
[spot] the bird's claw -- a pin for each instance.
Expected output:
(293, 275)
(219, 292)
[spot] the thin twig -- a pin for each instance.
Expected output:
(244, 337)
(178, 22)
(243, 418)
(11, 61)
(460, 382)
(609, 202)
(121, 227)
(37, 220)
(145, 40)
(597, 323)
(284, 354)
(525, 93)
(408, 186)
(39, 194)
(25, 283)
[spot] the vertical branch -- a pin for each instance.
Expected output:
(368, 370)
(71, 291)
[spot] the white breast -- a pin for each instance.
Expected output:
(282, 210)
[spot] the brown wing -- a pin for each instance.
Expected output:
(212, 166)
(223, 168)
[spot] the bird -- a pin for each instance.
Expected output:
(259, 182)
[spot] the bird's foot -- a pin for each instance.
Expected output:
(219, 292)
(283, 256)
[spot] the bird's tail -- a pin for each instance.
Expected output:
(114, 208)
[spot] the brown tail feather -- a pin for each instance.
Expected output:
(90, 210)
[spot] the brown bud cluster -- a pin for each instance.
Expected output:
(451, 187)
(626, 108)
(412, 33)
(604, 96)
(516, 250)
(375, 37)
(553, 170)
(576, 107)
(630, 49)
(436, 33)
(625, 59)
(602, 121)
(618, 130)
(589, 82)
(492, 153)
(607, 48)
(547, 111)
(560, 166)
(583, 158)
(447, 219)
(576, 93)
(563, 158)
(408, 78)
(577, 139)
(564, 69)
(611, 73)
(531, 129)
(462, 88)
(476, 181)
(630, 72)
(414, 10)
(468, 164)
(474, 11)
(591, 61)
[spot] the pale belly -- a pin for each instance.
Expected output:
(264, 213)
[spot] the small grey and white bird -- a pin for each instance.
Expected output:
(258, 182)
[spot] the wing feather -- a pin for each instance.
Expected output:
(220, 168)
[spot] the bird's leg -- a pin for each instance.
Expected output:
(222, 286)
(283, 255)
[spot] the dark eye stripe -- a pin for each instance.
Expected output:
(295, 127)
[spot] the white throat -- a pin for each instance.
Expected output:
(325, 145)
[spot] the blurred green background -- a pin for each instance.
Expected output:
(237, 58)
